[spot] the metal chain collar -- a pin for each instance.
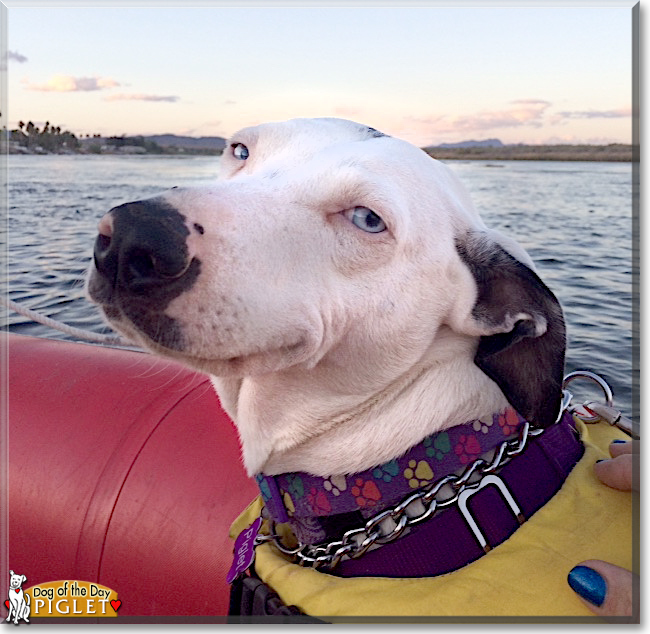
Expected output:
(391, 523)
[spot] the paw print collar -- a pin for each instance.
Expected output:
(320, 508)
(445, 534)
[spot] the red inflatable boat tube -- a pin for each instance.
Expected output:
(123, 471)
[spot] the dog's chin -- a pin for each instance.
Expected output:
(266, 359)
(255, 364)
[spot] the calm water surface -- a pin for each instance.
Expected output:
(575, 220)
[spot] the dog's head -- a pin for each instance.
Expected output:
(16, 581)
(325, 244)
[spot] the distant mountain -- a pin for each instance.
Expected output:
(188, 142)
(463, 144)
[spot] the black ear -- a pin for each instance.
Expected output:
(522, 349)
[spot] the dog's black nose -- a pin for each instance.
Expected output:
(142, 246)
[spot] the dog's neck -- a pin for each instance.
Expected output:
(309, 421)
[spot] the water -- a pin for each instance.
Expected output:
(575, 220)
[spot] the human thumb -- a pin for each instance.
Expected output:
(606, 589)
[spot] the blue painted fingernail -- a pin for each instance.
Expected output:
(618, 441)
(589, 584)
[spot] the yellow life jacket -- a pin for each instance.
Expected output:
(525, 576)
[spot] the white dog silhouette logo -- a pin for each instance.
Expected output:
(19, 602)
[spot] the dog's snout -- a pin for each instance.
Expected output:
(105, 226)
(142, 245)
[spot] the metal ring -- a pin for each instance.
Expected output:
(400, 510)
(495, 463)
(468, 473)
(339, 554)
(365, 545)
(585, 374)
(277, 541)
(374, 522)
(429, 511)
(396, 532)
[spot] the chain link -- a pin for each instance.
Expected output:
(415, 508)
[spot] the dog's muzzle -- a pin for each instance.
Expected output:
(142, 247)
(142, 262)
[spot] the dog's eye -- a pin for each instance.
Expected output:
(239, 151)
(366, 219)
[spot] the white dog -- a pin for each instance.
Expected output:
(19, 601)
(335, 280)
(349, 303)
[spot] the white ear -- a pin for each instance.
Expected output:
(520, 324)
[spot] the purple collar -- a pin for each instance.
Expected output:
(321, 508)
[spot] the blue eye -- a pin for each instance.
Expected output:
(366, 219)
(239, 151)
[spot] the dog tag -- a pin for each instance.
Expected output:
(244, 550)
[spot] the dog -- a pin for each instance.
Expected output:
(19, 602)
(348, 302)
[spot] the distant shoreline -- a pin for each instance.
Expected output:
(604, 153)
(617, 152)
(29, 139)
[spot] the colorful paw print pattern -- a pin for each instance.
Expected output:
(509, 421)
(319, 501)
(366, 493)
(438, 445)
(418, 473)
(304, 498)
(468, 448)
(288, 503)
(265, 489)
(335, 484)
(483, 424)
(386, 471)
(295, 486)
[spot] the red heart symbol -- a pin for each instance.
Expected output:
(7, 603)
(116, 603)
(17, 590)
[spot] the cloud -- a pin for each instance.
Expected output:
(67, 83)
(14, 56)
(525, 112)
(519, 113)
(573, 139)
(141, 97)
(533, 102)
(566, 115)
(11, 56)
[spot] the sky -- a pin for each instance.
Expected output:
(426, 72)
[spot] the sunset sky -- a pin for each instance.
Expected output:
(429, 73)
